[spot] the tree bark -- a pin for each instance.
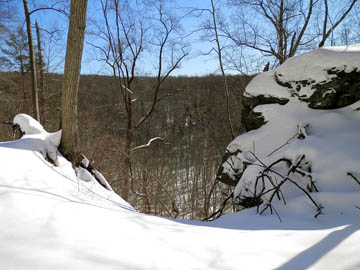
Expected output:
(35, 94)
(219, 53)
(69, 145)
(41, 72)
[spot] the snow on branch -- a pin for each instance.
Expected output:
(148, 144)
(127, 89)
(28, 125)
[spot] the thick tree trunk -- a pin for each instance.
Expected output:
(69, 146)
(35, 94)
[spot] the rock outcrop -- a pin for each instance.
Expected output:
(300, 120)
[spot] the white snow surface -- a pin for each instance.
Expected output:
(308, 66)
(52, 218)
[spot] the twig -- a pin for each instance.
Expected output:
(353, 177)
(218, 213)
(276, 190)
(8, 122)
(301, 133)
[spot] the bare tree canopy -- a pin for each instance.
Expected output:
(284, 28)
(333, 24)
(128, 33)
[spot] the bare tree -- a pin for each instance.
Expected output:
(69, 146)
(283, 28)
(327, 32)
(40, 64)
(126, 34)
(212, 32)
(5, 14)
(218, 51)
(35, 94)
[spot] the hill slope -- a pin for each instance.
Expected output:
(53, 218)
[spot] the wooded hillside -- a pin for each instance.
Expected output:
(172, 177)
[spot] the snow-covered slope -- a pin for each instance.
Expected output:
(49, 220)
(52, 218)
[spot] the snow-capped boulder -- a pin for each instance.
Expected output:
(303, 124)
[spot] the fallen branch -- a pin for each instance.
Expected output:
(148, 144)
(266, 176)
(353, 177)
(219, 212)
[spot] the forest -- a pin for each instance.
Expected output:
(156, 135)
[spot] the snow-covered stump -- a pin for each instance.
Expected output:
(47, 144)
(31, 128)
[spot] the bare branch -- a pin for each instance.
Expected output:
(148, 144)
(327, 33)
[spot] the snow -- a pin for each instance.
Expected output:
(308, 66)
(328, 139)
(147, 144)
(55, 217)
(335, 128)
(48, 222)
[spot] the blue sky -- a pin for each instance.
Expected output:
(196, 64)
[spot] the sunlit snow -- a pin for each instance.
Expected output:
(53, 218)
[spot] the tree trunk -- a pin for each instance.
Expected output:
(69, 146)
(219, 53)
(129, 138)
(41, 72)
(35, 95)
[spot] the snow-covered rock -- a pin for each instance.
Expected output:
(295, 148)
(326, 78)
